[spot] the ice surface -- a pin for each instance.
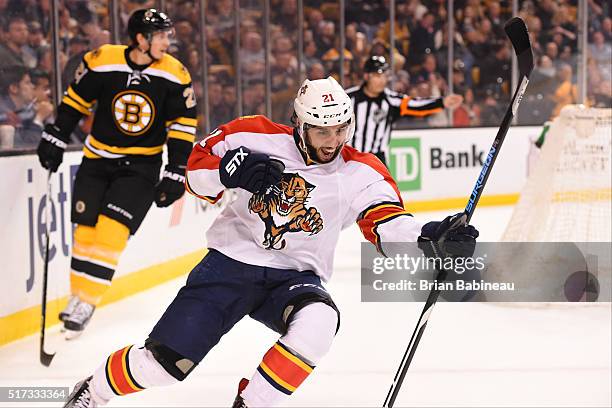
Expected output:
(470, 355)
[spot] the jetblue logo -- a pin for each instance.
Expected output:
(481, 177)
(233, 164)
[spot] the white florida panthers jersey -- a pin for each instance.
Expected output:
(296, 224)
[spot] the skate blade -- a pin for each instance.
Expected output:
(71, 334)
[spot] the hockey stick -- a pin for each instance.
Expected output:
(45, 358)
(517, 33)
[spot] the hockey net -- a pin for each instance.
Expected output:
(567, 197)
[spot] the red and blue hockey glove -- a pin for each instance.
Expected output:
(254, 172)
(171, 187)
(51, 148)
(451, 238)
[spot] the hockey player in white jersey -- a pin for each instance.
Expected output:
(271, 248)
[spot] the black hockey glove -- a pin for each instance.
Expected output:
(51, 148)
(253, 172)
(450, 237)
(171, 187)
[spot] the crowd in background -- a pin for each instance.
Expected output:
(481, 68)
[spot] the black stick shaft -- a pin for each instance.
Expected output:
(414, 342)
(45, 358)
(494, 151)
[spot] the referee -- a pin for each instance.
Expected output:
(377, 107)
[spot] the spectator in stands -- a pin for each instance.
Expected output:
(19, 107)
(253, 98)
(468, 114)
(326, 38)
(36, 40)
(602, 95)
(252, 57)
(491, 112)
(403, 23)
(15, 38)
(496, 68)
(606, 29)
(317, 71)
(356, 43)
(494, 15)
(287, 16)
(219, 42)
(422, 39)
(310, 58)
(545, 10)
(215, 100)
(601, 53)
(481, 40)
(428, 68)
(566, 92)
(78, 52)
(184, 36)
(229, 100)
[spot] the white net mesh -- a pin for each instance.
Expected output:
(567, 198)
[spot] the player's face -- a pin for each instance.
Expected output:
(160, 41)
(377, 81)
(326, 141)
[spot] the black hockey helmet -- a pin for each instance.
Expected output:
(376, 63)
(148, 21)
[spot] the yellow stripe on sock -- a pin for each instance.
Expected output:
(276, 378)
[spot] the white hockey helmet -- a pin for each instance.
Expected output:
(323, 102)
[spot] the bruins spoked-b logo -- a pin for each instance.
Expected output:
(133, 112)
(283, 209)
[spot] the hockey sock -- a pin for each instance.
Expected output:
(129, 370)
(289, 362)
(95, 256)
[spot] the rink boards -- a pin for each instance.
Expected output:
(435, 169)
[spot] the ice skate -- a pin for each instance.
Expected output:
(69, 309)
(81, 396)
(78, 320)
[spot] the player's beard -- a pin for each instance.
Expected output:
(316, 157)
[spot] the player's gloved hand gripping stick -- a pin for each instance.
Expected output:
(254, 172)
(438, 234)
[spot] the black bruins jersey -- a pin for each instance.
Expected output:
(137, 108)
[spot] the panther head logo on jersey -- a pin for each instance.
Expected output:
(286, 205)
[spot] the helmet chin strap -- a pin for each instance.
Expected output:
(148, 37)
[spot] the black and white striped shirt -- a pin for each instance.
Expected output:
(374, 116)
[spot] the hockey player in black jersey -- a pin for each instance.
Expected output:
(377, 107)
(141, 98)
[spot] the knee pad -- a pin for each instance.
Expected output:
(311, 331)
(174, 363)
(299, 302)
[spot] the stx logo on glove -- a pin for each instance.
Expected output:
(235, 161)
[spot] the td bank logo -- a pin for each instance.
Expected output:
(405, 163)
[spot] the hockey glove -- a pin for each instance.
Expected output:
(51, 148)
(448, 238)
(171, 187)
(253, 172)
